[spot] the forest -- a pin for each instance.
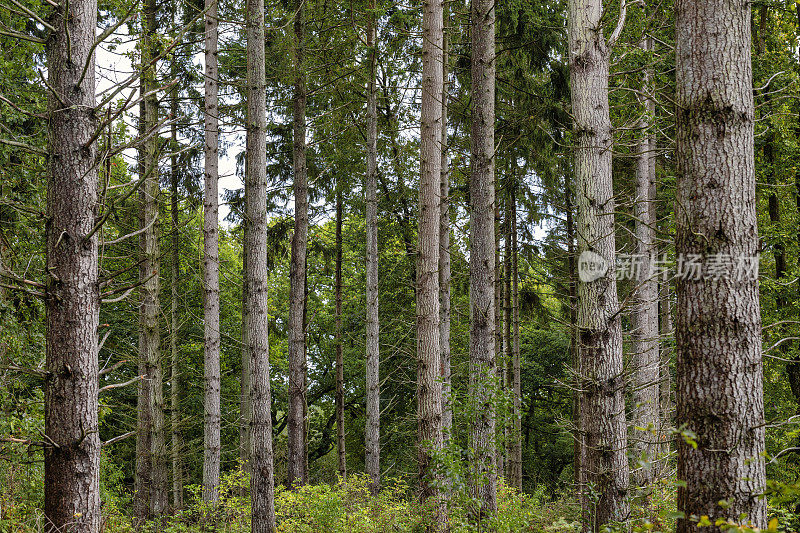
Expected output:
(367, 266)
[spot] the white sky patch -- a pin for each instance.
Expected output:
(113, 67)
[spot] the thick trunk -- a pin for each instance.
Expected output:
(515, 450)
(151, 478)
(174, 382)
(644, 315)
(444, 245)
(482, 258)
(373, 426)
(72, 464)
(211, 339)
(602, 403)
(262, 481)
(297, 277)
(340, 448)
(718, 323)
(429, 385)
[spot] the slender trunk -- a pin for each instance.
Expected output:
(429, 385)
(262, 480)
(72, 465)
(211, 340)
(245, 398)
(482, 258)
(508, 346)
(297, 354)
(579, 447)
(444, 243)
(339, 356)
(602, 404)
(515, 453)
(666, 349)
(151, 480)
(644, 315)
(500, 357)
(373, 426)
(718, 322)
(174, 387)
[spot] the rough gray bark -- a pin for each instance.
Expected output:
(174, 382)
(444, 244)
(297, 472)
(72, 465)
(372, 446)
(150, 498)
(340, 442)
(262, 481)
(429, 385)
(515, 448)
(718, 323)
(644, 312)
(211, 332)
(602, 403)
(483, 374)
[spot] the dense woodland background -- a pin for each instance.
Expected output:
(325, 62)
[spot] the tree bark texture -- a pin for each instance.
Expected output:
(644, 314)
(297, 293)
(602, 403)
(429, 385)
(482, 349)
(211, 334)
(372, 445)
(718, 326)
(150, 498)
(72, 461)
(262, 481)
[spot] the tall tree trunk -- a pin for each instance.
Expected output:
(372, 443)
(297, 298)
(211, 335)
(579, 447)
(444, 243)
(174, 387)
(718, 322)
(515, 452)
(498, 321)
(644, 315)
(429, 385)
(482, 258)
(151, 478)
(508, 346)
(666, 349)
(245, 398)
(602, 404)
(72, 463)
(262, 480)
(340, 444)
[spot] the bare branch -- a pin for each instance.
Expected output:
(118, 385)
